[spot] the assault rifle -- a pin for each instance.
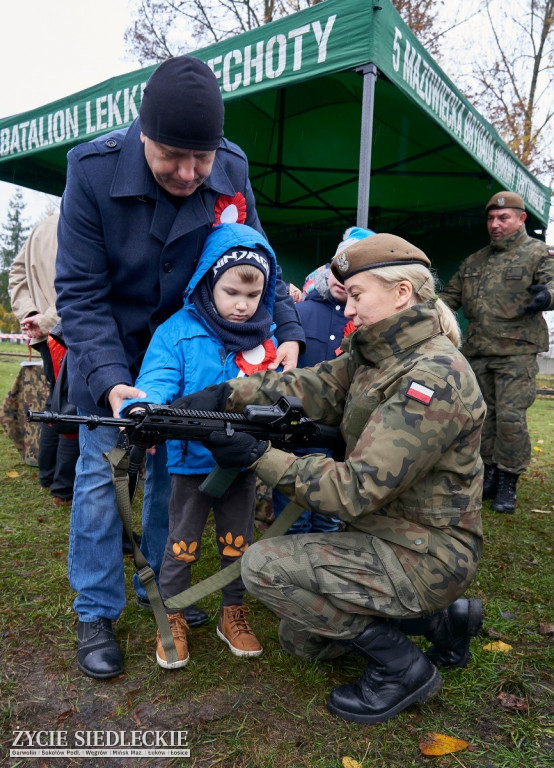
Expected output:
(282, 423)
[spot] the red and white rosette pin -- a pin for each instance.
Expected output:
(230, 210)
(257, 359)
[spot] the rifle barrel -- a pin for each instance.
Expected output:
(91, 421)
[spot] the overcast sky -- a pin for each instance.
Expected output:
(50, 49)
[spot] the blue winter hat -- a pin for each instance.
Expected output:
(351, 236)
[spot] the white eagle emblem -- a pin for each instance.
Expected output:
(501, 201)
(342, 263)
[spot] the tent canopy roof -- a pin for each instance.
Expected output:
(293, 95)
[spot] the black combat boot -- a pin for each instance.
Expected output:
(397, 674)
(98, 653)
(490, 481)
(505, 499)
(450, 631)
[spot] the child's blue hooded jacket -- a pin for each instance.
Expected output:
(186, 354)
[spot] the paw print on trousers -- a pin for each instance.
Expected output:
(186, 552)
(233, 547)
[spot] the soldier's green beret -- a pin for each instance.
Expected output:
(382, 250)
(505, 199)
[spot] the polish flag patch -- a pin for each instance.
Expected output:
(420, 393)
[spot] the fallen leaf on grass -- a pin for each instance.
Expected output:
(498, 645)
(509, 701)
(546, 629)
(12, 473)
(440, 744)
(349, 762)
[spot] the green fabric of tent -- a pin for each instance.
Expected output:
(345, 119)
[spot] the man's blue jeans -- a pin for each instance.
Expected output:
(95, 562)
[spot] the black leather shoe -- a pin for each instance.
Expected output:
(193, 615)
(98, 653)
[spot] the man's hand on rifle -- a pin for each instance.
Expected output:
(119, 394)
(237, 450)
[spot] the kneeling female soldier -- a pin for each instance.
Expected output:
(408, 490)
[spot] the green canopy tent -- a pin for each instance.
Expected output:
(345, 119)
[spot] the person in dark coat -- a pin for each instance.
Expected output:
(136, 210)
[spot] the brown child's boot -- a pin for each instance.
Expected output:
(234, 630)
(179, 629)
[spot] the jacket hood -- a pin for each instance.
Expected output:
(225, 236)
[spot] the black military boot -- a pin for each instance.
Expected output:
(397, 674)
(98, 653)
(490, 481)
(505, 499)
(450, 631)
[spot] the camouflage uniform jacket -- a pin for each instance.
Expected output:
(411, 413)
(492, 286)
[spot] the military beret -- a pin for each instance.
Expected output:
(373, 252)
(182, 105)
(505, 199)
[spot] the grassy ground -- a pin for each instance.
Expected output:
(271, 711)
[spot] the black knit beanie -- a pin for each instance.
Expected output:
(182, 105)
(236, 257)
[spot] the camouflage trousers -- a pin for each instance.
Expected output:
(326, 587)
(508, 384)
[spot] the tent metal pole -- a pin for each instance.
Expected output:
(369, 72)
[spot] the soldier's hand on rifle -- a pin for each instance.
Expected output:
(237, 450)
(210, 399)
(540, 301)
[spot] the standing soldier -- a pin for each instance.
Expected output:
(409, 488)
(503, 290)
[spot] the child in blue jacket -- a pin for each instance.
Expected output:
(223, 330)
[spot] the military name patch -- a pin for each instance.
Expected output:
(420, 393)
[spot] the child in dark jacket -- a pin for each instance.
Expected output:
(222, 331)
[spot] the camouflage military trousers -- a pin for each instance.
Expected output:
(326, 587)
(508, 385)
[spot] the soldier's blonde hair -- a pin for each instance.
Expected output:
(424, 286)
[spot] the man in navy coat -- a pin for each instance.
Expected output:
(136, 210)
